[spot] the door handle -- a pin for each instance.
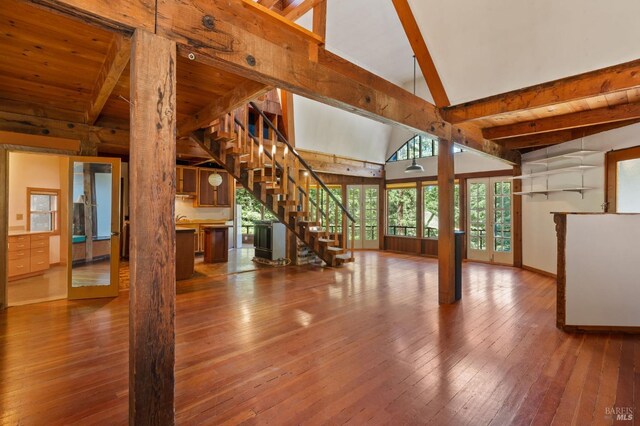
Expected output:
(115, 234)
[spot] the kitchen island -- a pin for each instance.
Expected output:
(185, 253)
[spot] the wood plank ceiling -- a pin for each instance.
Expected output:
(51, 65)
(558, 111)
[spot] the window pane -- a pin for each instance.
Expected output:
(371, 214)
(628, 191)
(354, 209)
(402, 153)
(41, 202)
(41, 222)
(401, 212)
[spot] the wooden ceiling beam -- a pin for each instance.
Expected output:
(320, 19)
(114, 64)
(419, 46)
(238, 96)
(567, 121)
(297, 8)
(554, 138)
(269, 4)
(603, 81)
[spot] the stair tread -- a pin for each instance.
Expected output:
(346, 257)
(335, 249)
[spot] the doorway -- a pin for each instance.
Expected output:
(94, 240)
(362, 201)
(489, 216)
(623, 181)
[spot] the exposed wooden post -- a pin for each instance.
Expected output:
(4, 225)
(153, 186)
(419, 212)
(516, 218)
(89, 201)
(320, 18)
(446, 242)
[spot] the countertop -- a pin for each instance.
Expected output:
(218, 226)
(202, 222)
(24, 232)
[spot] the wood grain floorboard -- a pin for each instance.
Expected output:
(363, 344)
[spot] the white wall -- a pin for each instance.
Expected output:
(463, 162)
(331, 130)
(184, 206)
(603, 272)
(33, 171)
(539, 237)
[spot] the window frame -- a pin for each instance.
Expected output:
(400, 186)
(55, 220)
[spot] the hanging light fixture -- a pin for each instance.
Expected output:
(215, 179)
(414, 167)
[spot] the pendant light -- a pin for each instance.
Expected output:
(215, 179)
(414, 167)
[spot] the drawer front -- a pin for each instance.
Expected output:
(20, 254)
(40, 243)
(19, 266)
(39, 263)
(19, 238)
(19, 245)
(39, 237)
(39, 251)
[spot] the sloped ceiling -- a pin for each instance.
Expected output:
(487, 47)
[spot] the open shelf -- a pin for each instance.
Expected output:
(581, 153)
(570, 169)
(579, 190)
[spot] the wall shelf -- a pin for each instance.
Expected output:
(570, 169)
(580, 153)
(546, 192)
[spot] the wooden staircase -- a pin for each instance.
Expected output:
(271, 169)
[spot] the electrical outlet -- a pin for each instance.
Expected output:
(19, 216)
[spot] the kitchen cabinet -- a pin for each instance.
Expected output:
(186, 180)
(28, 254)
(210, 196)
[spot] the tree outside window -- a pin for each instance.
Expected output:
(401, 212)
(430, 209)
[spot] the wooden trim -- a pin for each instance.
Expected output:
(419, 46)
(462, 182)
(611, 174)
(419, 211)
(474, 175)
(606, 80)
(539, 271)
(516, 218)
(601, 329)
(561, 301)
(612, 114)
(152, 189)
(4, 225)
(57, 212)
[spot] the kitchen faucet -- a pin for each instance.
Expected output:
(180, 217)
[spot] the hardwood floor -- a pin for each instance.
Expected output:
(363, 344)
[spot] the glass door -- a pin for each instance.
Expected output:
(489, 212)
(95, 227)
(623, 181)
(363, 205)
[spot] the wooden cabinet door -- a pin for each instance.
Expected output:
(189, 180)
(223, 191)
(206, 192)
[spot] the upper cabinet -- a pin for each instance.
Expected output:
(186, 180)
(213, 196)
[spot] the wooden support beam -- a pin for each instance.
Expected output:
(574, 120)
(446, 223)
(153, 187)
(268, 3)
(31, 125)
(4, 225)
(121, 15)
(419, 46)
(298, 8)
(237, 97)
(114, 64)
(282, 22)
(320, 19)
(333, 164)
(554, 138)
(607, 80)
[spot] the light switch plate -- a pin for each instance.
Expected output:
(19, 216)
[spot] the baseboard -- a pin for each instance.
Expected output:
(600, 329)
(539, 271)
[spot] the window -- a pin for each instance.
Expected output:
(419, 146)
(430, 209)
(401, 210)
(42, 205)
(252, 211)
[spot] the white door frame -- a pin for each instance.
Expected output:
(491, 223)
(361, 241)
